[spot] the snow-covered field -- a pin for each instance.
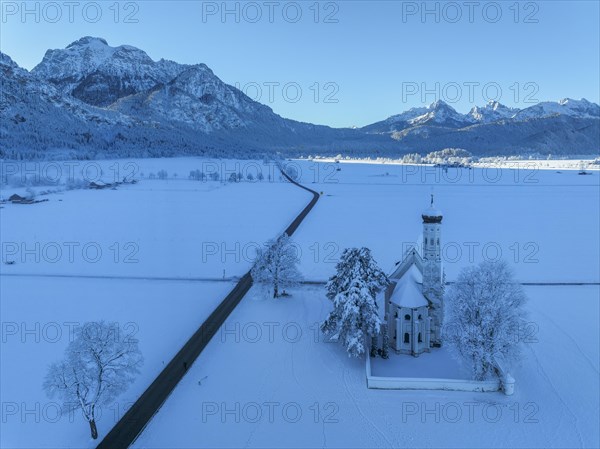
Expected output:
(39, 316)
(268, 379)
(271, 381)
(545, 224)
(137, 255)
(170, 228)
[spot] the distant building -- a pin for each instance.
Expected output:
(18, 199)
(414, 308)
(15, 198)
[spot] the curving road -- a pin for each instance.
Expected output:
(137, 417)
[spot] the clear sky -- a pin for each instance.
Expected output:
(343, 63)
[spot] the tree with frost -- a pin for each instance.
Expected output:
(385, 351)
(100, 362)
(162, 174)
(355, 315)
(276, 266)
(484, 317)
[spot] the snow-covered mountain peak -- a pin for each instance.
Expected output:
(567, 107)
(494, 105)
(440, 104)
(570, 101)
(91, 70)
(89, 41)
(7, 60)
(491, 112)
(441, 113)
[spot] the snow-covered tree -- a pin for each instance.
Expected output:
(276, 266)
(484, 317)
(353, 289)
(291, 171)
(162, 174)
(356, 263)
(385, 344)
(100, 362)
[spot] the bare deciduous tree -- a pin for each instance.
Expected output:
(100, 363)
(276, 267)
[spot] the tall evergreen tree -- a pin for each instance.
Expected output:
(355, 315)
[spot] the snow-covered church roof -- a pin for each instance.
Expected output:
(408, 290)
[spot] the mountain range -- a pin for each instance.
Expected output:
(93, 100)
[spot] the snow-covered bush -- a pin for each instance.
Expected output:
(484, 317)
(75, 184)
(100, 363)
(449, 156)
(412, 158)
(352, 289)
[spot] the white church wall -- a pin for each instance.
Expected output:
(505, 383)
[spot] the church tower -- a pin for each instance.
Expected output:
(433, 277)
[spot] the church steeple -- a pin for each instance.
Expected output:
(432, 266)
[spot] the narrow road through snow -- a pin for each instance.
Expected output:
(124, 433)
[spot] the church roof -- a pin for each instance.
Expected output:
(408, 291)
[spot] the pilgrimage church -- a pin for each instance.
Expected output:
(414, 307)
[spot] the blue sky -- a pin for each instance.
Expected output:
(353, 63)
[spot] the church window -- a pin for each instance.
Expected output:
(420, 317)
(420, 339)
(407, 317)
(406, 337)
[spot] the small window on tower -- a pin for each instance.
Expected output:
(420, 339)
(406, 338)
(407, 317)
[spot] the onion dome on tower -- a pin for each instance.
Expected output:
(431, 214)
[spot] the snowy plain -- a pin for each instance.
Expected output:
(151, 256)
(270, 357)
(296, 390)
